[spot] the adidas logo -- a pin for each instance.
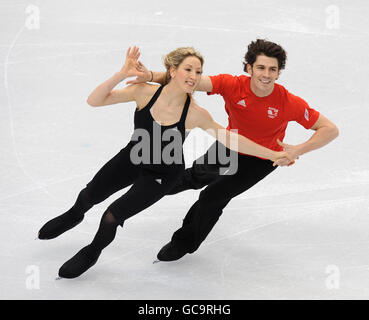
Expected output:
(242, 103)
(158, 181)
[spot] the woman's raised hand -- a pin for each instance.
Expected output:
(132, 67)
(144, 75)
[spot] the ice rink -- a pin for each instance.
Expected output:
(301, 233)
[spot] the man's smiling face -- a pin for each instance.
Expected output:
(264, 72)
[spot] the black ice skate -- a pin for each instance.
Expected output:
(170, 253)
(79, 263)
(59, 225)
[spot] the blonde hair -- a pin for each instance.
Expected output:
(176, 57)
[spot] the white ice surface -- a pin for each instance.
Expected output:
(283, 239)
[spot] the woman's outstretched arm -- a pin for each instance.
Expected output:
(202, 119)
(105, 95)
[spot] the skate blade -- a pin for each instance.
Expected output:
(59, 278)
(156, 261)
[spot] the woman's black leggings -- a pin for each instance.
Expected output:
(147, 188)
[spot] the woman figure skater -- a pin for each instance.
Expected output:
(162, 111)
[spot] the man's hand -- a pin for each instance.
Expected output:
(293, 151)
(282, 158)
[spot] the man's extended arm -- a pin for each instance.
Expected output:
(325, 132)
(205, 83)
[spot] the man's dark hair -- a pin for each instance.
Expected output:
(267, 48)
